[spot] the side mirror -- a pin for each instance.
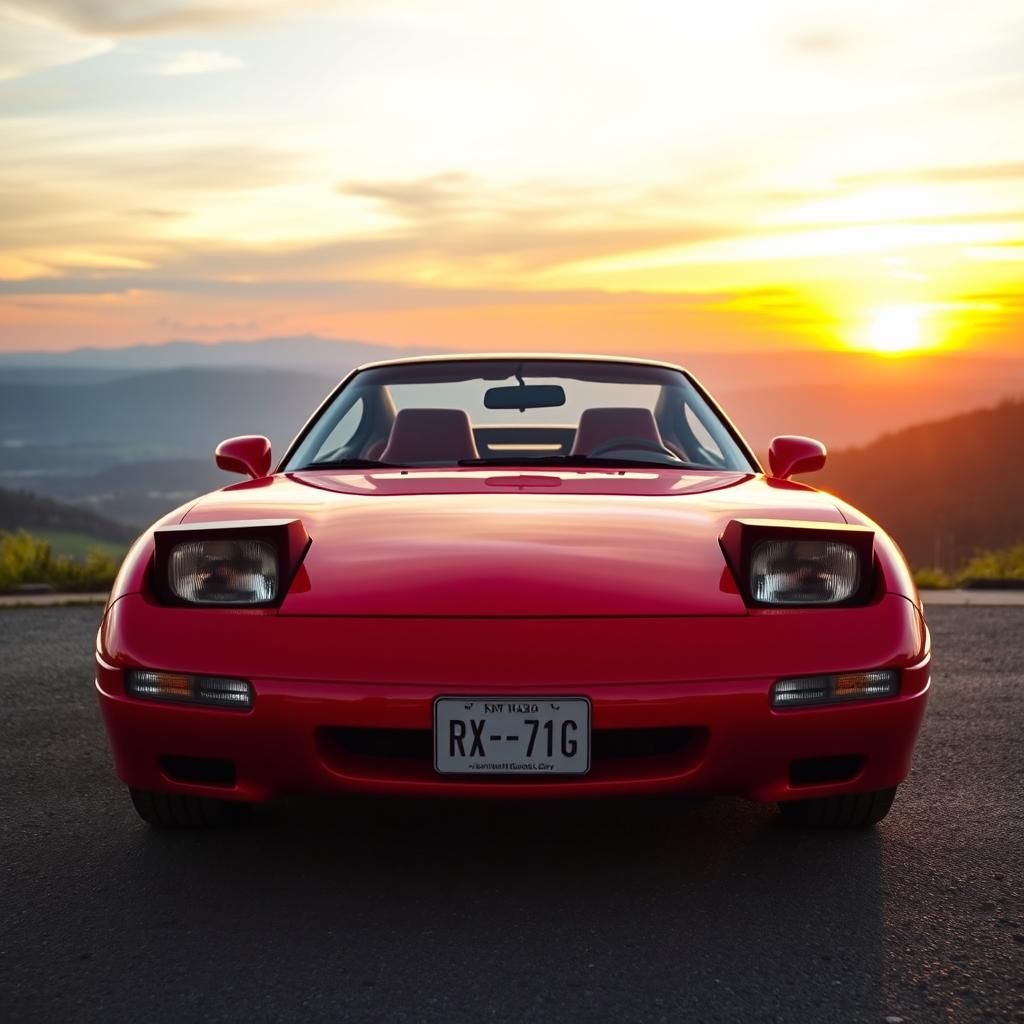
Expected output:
(791, 454)
(249, 455)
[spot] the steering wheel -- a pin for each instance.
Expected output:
(644, 444)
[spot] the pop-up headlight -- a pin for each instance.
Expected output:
(228, 564)
(787, 563)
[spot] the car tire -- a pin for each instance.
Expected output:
(850, 810)
(173, 810)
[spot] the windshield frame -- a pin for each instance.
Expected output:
(409, 366)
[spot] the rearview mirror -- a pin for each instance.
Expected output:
(791, 454)
(525, 396)
(249, 455)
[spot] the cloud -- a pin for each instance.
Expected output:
(821, 43)
(218, 328)
(449, 225)
(155, 213)
(997, 252)
(1004, 216)
(531, 226)
(143, 161)
(206, 168)
(353, 294)
(27, 46)
(198, 62)
(138, 17)
(999, 301)
(941, 175)
(438, 193)
(40, 34)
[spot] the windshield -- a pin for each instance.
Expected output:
(519, 412)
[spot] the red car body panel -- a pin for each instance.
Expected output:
(608, 584)
(468, 547)
(710, 673)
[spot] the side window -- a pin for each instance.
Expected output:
(704, 438)
(343, 431)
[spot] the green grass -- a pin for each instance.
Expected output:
(78, 545)
(1006, 564)
(25, 560)
(931, 578)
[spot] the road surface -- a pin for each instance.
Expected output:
(662, 910)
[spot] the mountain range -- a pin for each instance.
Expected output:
(303, 352)
(921, 444)
(846, 398)
(177, 413)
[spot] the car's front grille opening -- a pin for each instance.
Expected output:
(615, 754)
(606, 744)
(206, 771)
(413, 744)
(813, 771)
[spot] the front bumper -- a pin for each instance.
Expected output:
(317, 679)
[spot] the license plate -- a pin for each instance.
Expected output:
(512, 736)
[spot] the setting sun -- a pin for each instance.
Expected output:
(896, 330)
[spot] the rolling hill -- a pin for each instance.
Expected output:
(138, 492)
(134, 446)
(20, 510)
(944, 489)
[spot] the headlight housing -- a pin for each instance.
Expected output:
(247, 564)
(791, 564)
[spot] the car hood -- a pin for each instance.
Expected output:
(485, 543)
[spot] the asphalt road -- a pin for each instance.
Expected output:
(661, 910)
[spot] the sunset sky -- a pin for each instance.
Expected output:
(530, 174)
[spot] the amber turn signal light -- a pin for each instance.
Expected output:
(846, 686)
(212, 691)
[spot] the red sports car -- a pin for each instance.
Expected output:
(515, 576)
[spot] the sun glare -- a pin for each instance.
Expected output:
(895, 330)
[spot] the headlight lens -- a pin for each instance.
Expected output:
(803, 572)
(224, 571)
